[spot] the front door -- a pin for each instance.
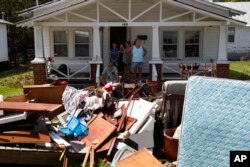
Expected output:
(118, 35)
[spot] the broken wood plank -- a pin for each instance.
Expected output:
(129, 123)
(23, 137)
(86, 157)
(92, 157)
(121, 123)
(29, 107)
(99, 131)
(139, 159)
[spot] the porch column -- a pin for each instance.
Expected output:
(222, 63)
(95, 64)
(96, 44)
(155, 65)
(39, 63)
(46, 42)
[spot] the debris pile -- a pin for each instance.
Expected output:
(91, 121)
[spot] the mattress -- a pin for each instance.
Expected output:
(216, 120)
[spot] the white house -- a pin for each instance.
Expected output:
(3, 41)
(78, 33)
(239, 36)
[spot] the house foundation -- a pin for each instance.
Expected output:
(39, 72)
(222, 70)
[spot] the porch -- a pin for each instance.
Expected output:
(173, 32)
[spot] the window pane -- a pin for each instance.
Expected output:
(82, 50)
(81, 43)
(60, 37)
(170, 37)
(192, 44)
(60, 50)
(231, 34)
(81, 37)
(169, 44)
(192, 50)
(192, 36)
(170, 50)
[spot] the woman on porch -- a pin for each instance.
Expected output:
(127, 54)
(138, 53)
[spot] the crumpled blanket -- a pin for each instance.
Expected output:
(72, 98)
(75, 101)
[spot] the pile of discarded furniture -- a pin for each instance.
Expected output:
(65, 125)
(179, 122)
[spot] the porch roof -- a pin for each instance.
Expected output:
(48, 9)
(243, 6)
(5, 22)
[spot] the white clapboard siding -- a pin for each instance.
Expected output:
(3, 43)
(210, 43)
(242, 41)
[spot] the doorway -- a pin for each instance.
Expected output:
(119, 36)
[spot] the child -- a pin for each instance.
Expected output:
(114, 54)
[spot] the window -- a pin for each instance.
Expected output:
(192, 44)
(81, 44)
(170, 44)
(231, 34)
(60, 43)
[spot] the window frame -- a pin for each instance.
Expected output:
(181, 43)
(163, 44)
(74, 45)
(71, 43)
(228, 39)
(53, 43)
(199, 44)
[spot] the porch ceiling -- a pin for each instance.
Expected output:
(97, 11)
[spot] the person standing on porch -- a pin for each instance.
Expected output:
(127, 55)
(114, 54)
(138, 53)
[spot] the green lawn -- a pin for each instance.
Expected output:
(240, 70)
(11, 80)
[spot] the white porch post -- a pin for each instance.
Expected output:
(222, 51)
(155, 44)
(38, 37)
(96, 44)
(96, 58)
(156, 62)
(46, 42)
(39, 63)
(222, 64)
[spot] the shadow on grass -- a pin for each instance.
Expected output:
(239, 75)
(15, 71)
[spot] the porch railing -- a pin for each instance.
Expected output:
(177, 74)
(75, 70)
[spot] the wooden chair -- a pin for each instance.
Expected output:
(127, 87)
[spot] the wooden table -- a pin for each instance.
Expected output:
(30, 107)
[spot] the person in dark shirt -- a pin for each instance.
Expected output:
(114, 54)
